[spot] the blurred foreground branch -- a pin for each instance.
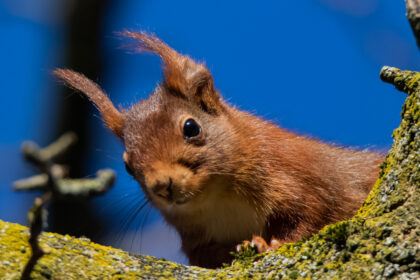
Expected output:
(54, 183)
(53, 177)
(35, 220)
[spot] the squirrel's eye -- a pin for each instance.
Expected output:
(191, 129)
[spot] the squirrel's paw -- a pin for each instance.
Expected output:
(259, 244)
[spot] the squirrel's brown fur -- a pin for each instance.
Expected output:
(242, 176)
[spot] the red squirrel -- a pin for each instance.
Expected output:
(220, 175)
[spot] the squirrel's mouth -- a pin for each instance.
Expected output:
(182, 201)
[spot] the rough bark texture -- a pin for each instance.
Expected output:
(380, 242)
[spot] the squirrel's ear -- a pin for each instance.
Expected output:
(113, 118)
(183, 76)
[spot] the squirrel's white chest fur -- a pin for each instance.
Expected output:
(227, 219)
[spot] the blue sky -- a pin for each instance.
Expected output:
(311, 66)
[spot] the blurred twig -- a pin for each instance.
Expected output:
(53, 177)
(54, 183)
(35, 219)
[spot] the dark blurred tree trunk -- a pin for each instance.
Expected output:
(83, 54)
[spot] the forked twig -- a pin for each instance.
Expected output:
(54, 183)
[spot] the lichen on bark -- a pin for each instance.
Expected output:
(380, 242)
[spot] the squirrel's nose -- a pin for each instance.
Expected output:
(163, 188)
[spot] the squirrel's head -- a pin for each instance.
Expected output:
(177, 138)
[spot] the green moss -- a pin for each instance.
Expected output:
(380, 241)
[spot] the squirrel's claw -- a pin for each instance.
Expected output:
(259, 244)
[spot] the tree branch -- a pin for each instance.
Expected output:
(406, 81)
(413, 15)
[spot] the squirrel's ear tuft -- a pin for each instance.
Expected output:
(183, 76)
(113, 118)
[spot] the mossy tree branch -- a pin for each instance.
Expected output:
(406, 81)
